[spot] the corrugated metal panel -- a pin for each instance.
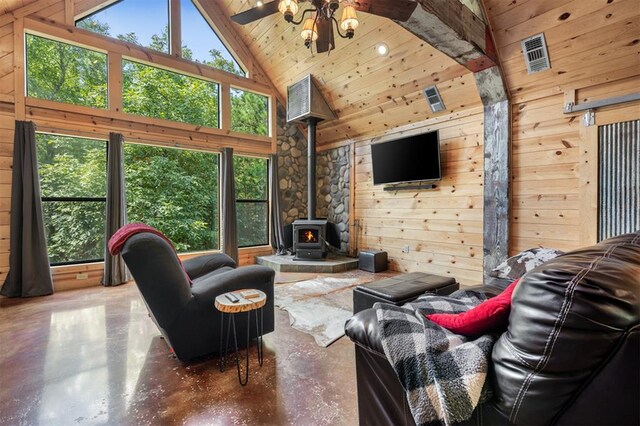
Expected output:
(619, 186)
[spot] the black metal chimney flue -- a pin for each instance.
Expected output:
(311, 167)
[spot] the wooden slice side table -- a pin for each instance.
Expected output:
(230, 304)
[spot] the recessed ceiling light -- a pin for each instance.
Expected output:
(259, 3)
(382, 49)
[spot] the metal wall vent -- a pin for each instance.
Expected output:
(304, 100)
(535, 53)
(434, 99)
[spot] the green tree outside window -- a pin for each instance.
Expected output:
(64, 73)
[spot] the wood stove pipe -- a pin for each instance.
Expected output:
(311, 166)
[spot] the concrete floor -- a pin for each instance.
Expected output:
(94, 356)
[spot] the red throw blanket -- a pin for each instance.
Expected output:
(121, 236)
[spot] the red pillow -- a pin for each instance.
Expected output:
(487, 316)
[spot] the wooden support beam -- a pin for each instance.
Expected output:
(452, 28)
(115, 82)
(588, 184)
(225, 106)
(496, 185)
(353, 230)
(69, 12)
(175, 29)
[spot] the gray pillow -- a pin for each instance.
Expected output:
(518, 265)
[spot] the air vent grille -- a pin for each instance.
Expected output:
(434, 99)
(304, 101)
(535, 53)
(298, 99)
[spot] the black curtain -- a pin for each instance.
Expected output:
(277, 230)
(29, 271)
(229, 215)
(115, 271)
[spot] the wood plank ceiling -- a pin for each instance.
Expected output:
(369, 93)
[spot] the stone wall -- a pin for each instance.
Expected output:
(332, 190)
(332, 176)
(292, 169)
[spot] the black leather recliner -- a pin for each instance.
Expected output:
(570, 356)
(186, 316)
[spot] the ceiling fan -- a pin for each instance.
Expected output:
(320, 17)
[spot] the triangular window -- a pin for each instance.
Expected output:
(201, 43)
(133, 21)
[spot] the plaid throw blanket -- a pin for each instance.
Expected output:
(443, 373)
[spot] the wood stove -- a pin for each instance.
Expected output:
(305, 104)
(310, 239)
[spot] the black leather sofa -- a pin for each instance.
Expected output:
(570, 356)
(185, 315)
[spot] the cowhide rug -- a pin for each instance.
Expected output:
(319, 306)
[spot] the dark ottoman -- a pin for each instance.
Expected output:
(401, 289)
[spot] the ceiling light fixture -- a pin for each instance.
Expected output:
(382, 49)
(259, 3)
(322, 20)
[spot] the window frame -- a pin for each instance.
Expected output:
(79, 199)
(268, 99)
(117, 50)
(266, 201)
(174, 31)
(218, 84)
(68, 42)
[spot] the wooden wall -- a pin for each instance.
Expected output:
(441, 226)
(6, 153)
(80, 121)
(593, 47)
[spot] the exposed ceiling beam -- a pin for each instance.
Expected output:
(452, 28)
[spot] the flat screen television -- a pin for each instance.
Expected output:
(410, 159)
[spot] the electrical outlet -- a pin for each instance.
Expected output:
(405, 249)
(82, 276)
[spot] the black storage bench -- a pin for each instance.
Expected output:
(401, 289)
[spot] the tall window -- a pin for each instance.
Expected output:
(73, 184)
(175, 191)
(157, 93)
(64, 73)
(252, 200)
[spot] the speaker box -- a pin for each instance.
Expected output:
(373, 261)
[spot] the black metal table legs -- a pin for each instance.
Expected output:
(259, 348)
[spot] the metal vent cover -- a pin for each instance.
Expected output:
(298, 99)
(304, 100)
(535, 53)
(434, 99)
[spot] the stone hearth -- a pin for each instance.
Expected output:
(331, 264)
